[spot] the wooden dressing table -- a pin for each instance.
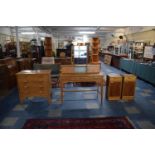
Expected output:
(81, 73)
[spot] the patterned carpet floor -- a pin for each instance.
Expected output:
(80, 123)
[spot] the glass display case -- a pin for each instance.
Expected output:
(80, 54)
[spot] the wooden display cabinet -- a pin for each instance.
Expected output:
(113, 87)
(95, 50)
(128, 88)
(48, 46)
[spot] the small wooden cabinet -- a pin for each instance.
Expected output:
(128, 88)
(113, 87)
(34, 83)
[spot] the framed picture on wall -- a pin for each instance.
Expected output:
(148, 52)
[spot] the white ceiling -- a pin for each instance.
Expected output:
(70, 32)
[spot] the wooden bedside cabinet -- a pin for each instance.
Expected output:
(128, 88)
(113, 87)
(34, 83)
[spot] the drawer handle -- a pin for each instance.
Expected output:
(25, 86)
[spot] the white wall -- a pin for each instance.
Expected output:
(132, 33)
(146, 36)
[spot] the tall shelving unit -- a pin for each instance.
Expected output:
(95, 50)
(48, 46)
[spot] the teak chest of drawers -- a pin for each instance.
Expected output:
(128, 88)
(34, 83)
(114, 87)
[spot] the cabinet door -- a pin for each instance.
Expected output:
(128, 90)
(114, 87)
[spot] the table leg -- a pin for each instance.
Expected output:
(101, 93)
(21, 98)
(97, 90)
(49, 100)
(61, 87)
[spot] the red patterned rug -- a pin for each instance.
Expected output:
(80, 123)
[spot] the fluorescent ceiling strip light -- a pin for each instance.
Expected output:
(27, 33)
(87, 32)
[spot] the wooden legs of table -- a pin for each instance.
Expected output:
(101, 93)
(61, 93)
(21, 100)
(49, 100)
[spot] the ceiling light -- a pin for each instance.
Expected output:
(85, 38)
(87, 32)
(42, 38)
(27, 33)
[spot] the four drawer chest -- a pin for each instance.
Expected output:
(34, 83)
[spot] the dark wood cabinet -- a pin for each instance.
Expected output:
(25, 63)
(12, 69)
(4, 79)
(114, 59)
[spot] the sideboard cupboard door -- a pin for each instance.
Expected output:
(114, 87)
(128, 88)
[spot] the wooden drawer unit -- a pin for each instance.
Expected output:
(34, 83)
(114, 87)
(128, 88)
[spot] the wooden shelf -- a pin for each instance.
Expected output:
(95, 50)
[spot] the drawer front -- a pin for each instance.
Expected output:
(128, 89)
(34, 88)
(129, 78)
(113, 80)
(23, 87)
(38, 88)
(32, 82)
(32, 77)
(23, 92)
(80, 79)
(114, 91)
